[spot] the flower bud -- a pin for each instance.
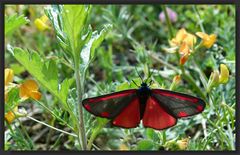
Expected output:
(224, 74)
(213, 80)
(8, 76)
(10, 116)
(41, 23)
(183, 143)
(176, 81)
(171, 14)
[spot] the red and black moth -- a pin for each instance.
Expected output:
(157, 108)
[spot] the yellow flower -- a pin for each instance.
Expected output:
(8, 79)
(183, 143)
(207, 40)
(10, 116)
(29, 89)
(216, 78)
(175, 144)
(41, 23)
(184, 58)
(8, 76)
(176, 81)
(185, 42)
(123, 147)
(224, 74)
(183, 36)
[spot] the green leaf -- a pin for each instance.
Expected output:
(13, 22)
(151, 134)
(146, 145)
(88, 50)
(13, 99)
(74, 21)
(65, 88)
(122, 86)
(74, 33)
(17, 69)
(45, 72)
(138, 81)
(50, 72)
(69, 22)
(102, 122)
(54, 14)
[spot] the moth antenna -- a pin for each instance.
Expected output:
(127, 79)
(135, 83)
(150, 83)
(138, 74)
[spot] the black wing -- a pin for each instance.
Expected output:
(110, 105)
(178, 104)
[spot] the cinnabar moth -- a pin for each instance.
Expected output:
(157, 108)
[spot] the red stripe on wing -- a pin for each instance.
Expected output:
(178, 104)
(176, 95)
(130, 115)
(111, 96)
(156, 117)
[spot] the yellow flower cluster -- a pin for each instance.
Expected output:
(186, 41)
(28, 89)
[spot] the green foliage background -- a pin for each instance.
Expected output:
(136, 38)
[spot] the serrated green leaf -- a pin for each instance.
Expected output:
(146, 145)
(13, 22)
(44, 72)
(50, 70)
(74, 21)
(54, 14)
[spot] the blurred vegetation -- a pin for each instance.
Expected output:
(137, 38)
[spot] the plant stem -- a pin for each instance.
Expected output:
(52, 113)
(51, 126)
(156, 57)
(169, 24)
(185, 76)
(95, 132)
(93, 136)
(199, 19)
(81, 128)
(190, 80)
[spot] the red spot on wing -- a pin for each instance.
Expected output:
(87, 106)
(156, 117)
(181, 97)
(182, 114)
(105, 114)
(111, 96)
(130, 116)
(199, 108)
